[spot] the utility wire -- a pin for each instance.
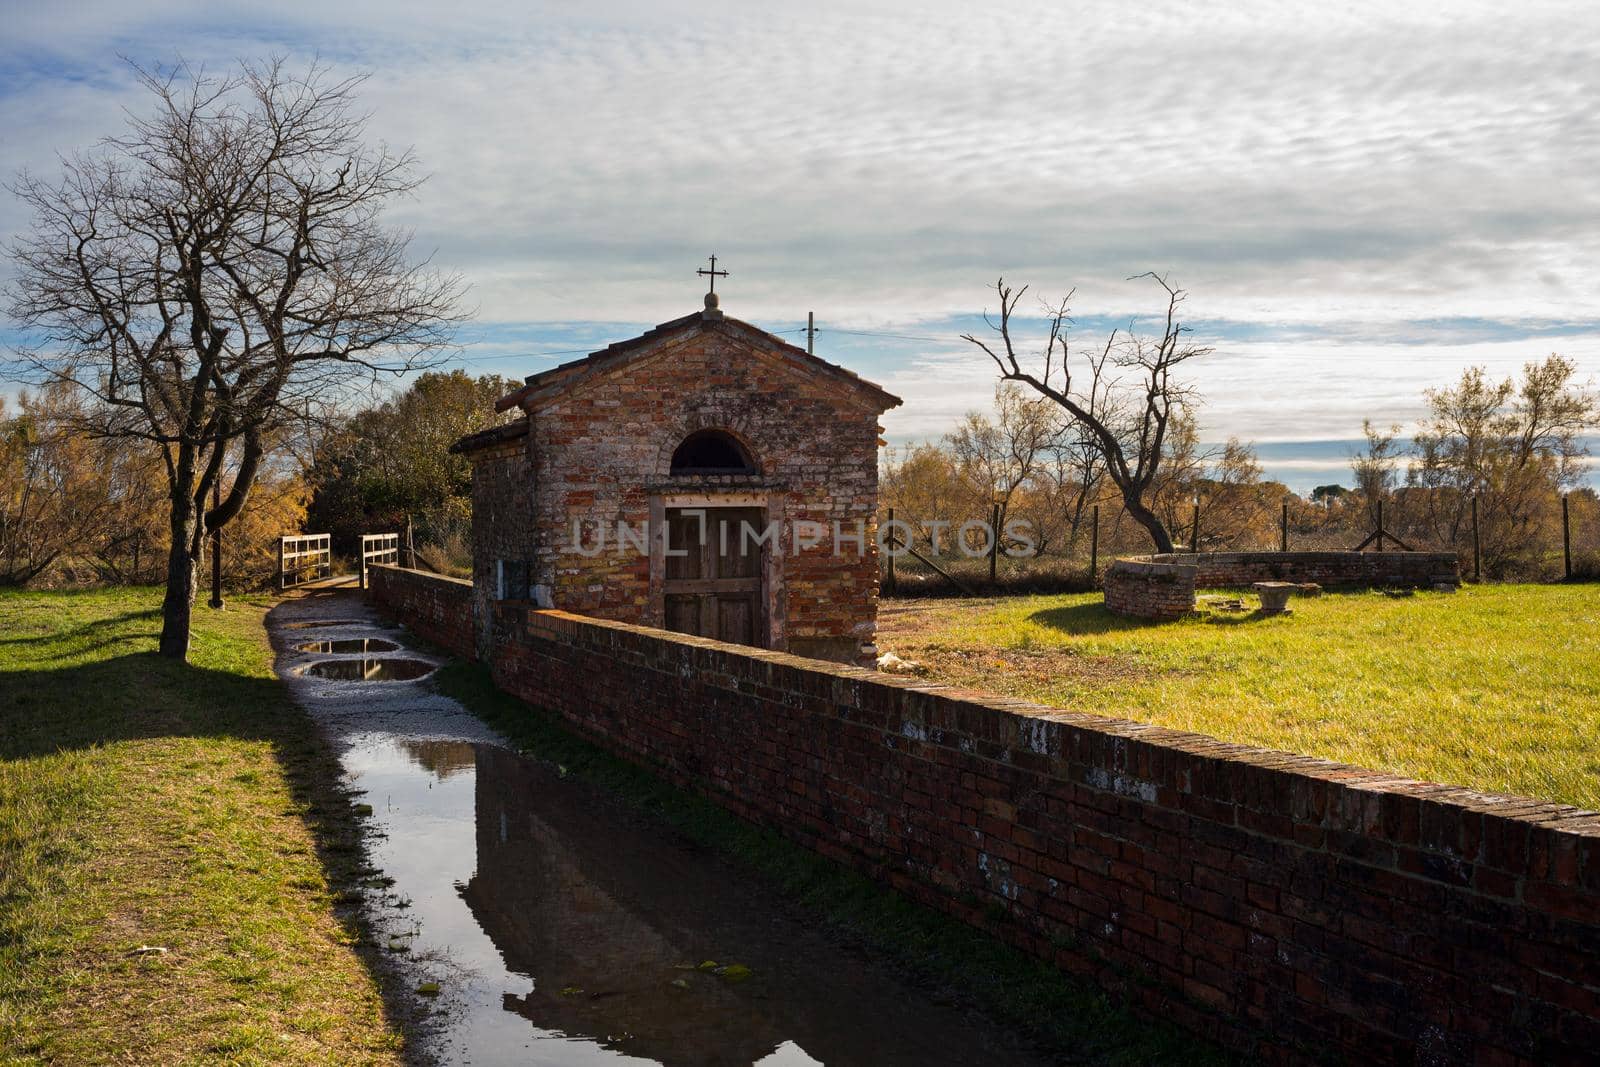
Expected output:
(880, 333)
(587, 351)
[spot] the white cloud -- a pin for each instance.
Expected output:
(1282, 391)
(880, 163)
(890, 158)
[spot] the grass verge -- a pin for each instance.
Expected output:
(1068, 1016)
(1493, 688)
(146, 804)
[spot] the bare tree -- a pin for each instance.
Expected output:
(1074, 475)
(997, 456)
(1374, 468)
(1124, 397)
(216, 269)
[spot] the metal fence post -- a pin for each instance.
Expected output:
(994, 539)
(1194, 535)
(216, 548)
(1477, 545)
(1094, 548)
(889, 543)
(1283, 529)
(1566, 537)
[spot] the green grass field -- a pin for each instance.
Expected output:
(145, 803)
(1496, 687)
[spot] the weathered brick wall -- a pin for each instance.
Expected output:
(1147, 590)
(603, 449)
(434, 606)
(1162, 586)
(1291, 907)
(502, 500)
(1219, 569)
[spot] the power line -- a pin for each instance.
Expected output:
(524, 355)
(798, 329)
(880, 333)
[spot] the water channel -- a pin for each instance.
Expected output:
(562, 926)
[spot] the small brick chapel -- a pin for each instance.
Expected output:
(706, 477)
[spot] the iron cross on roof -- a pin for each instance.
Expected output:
(713, 273)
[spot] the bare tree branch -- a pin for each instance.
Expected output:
(1132, 397)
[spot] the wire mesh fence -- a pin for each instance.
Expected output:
(1546, 538)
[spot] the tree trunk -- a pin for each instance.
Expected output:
(178, 605)
(1149, 520)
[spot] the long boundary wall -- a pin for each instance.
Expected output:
(1162, 586)
(1292, 908)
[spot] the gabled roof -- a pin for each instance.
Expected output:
(492, 436)
(550, 383)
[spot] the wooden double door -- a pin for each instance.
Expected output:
(713, 576)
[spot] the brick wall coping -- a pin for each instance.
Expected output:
(1226, 558)
(1152, 565)
(464, 583)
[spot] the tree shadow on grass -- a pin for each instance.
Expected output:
(46, 710)
(1089, 619)
(105, 625)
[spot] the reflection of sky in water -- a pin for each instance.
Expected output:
(787, 1054)
(348, 645)
(388, 669)
(550, 889)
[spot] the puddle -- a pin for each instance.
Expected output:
(565, 928)
(387, 669)
(353, 644)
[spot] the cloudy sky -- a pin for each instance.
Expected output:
(1360, 198)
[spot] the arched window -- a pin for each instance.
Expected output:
(711, 452)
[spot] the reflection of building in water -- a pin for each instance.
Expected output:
(443, 758)
(544, 892)
(578, 895)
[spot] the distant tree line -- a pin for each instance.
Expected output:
(1516, 445)
(77, 509)
(1024, 458)
(1509, 448)
(389, 467)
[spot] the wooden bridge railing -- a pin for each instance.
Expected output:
(303, 558)
(378, 548)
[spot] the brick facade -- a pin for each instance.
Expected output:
(1162, 586)
(1292, 908)
(595, 448)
